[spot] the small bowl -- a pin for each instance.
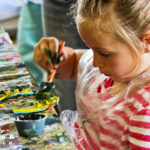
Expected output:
(30, 125)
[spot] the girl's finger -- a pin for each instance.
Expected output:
(61, 46)
(53, 45)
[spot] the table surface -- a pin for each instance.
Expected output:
(54, 137)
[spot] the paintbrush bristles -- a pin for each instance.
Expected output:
(54, 60)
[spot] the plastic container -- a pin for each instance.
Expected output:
(30, 125)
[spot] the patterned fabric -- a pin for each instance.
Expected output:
(107, 122)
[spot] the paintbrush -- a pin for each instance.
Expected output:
(55, 60)
(48, 87)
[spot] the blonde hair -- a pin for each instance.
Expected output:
(126, 20)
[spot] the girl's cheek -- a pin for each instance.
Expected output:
(114, 69)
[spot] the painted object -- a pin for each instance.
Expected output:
(20, 104)
(17, 92)
(30, 124)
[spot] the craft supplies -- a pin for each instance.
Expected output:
(46, 91)
(46, 94)
(17, 91)
(29, 125)
(16, 84)
(55, 60)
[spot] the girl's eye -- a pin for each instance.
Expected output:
(104, 54)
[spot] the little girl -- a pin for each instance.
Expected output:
(113, 77)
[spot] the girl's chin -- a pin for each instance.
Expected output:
(117, 79)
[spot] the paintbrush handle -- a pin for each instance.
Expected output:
(60, 52)
(51, 75)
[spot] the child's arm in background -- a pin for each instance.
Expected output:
(67, 69)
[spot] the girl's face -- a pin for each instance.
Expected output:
(112, 57)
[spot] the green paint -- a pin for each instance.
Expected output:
(31, 133)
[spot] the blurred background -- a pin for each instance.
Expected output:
(9, 15)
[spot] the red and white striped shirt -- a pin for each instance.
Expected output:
(107, 122)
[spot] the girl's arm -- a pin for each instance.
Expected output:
(68, 68)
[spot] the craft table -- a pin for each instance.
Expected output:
(12, 75)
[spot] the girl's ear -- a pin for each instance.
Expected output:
(146, 41)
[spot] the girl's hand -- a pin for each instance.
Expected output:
(67, 65)
(40, 56)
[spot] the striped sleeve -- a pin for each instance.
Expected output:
(139, 130)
